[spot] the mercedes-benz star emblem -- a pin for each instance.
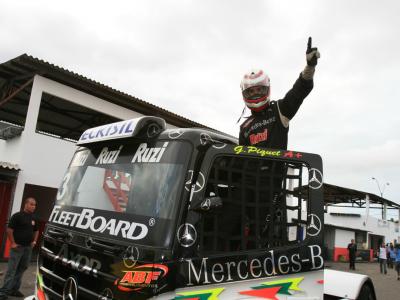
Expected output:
(131, 256)
(206, 204)
(106, 294)
(316, 179)
(199, 183)
(315, 225)
(70, 291)
(186, 235)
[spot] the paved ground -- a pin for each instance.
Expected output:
(386, 286)
(28, 281)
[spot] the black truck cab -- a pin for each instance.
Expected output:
(148, 212)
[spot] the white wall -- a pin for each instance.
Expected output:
(343, 237)
(10, 151)
(43, 159)
(375, 226)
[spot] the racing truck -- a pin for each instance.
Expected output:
(146, 212)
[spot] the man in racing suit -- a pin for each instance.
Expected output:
(268, 127)
(268, 124)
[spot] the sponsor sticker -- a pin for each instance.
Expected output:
(265, 152)
(87, 219)
(109, 131)
(256, 138)
(145, 154)
(143, 276)
(273, 263)
(256, 150)
(107, 156)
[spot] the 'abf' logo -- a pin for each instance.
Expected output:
(144, 276)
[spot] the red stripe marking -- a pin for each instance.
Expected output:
(267, 293)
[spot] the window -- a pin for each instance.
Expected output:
(67, 120)
(263, 205)
(118, 184)
(138, 188)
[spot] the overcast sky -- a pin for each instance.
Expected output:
(189, 57)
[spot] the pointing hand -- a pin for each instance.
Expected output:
(312, 54)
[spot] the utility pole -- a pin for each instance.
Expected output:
(381, 191)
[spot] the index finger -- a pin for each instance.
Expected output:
(309, 43)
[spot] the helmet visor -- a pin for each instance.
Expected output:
(255, 92)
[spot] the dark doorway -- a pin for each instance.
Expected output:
(6, 189)
(375, 241)
(45, 197)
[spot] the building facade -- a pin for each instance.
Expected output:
(367, 231)
(43, 111)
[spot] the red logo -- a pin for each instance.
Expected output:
(143, 276)
(292, 154)
(259, 137)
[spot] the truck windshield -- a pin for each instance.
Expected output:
(137, 183)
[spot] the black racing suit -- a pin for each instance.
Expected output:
(269, 129)
(265, 128)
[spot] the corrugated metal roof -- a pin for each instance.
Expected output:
(335, 195)
(26, 66)
(7, 165)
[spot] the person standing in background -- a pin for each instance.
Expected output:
(22, 232)
(352, 248)
(383, 258)
(397, 260)
(392, 256)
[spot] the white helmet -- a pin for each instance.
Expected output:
(255, 87)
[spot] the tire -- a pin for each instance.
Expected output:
(366, 293)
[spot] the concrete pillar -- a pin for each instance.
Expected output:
(398, 223)
(366, 209)
(384, 212)
(26, 138)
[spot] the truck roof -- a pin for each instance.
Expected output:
(151, 127)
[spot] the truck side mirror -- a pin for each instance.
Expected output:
(208, 203)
